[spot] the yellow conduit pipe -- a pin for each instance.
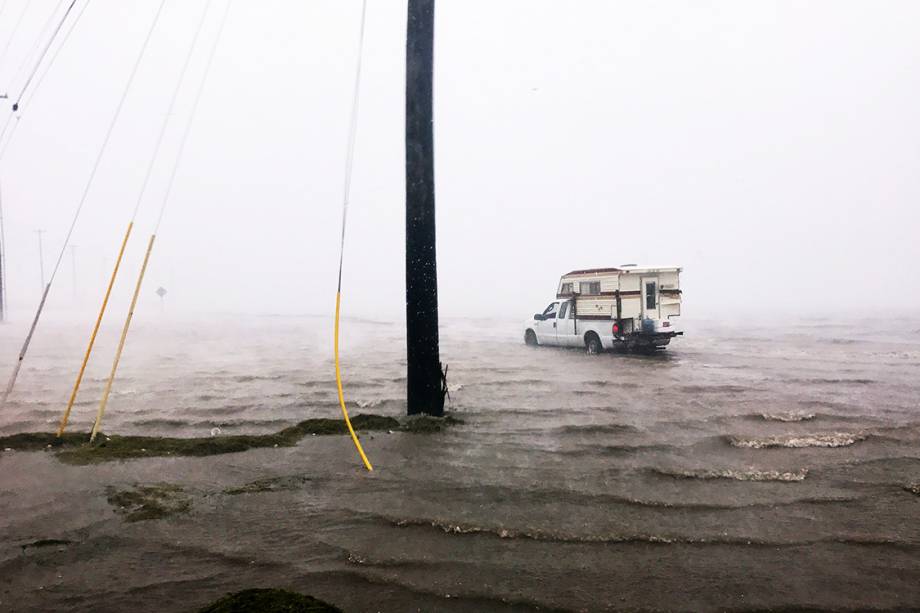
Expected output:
(92, 337)
(338, 382)
(121, 342)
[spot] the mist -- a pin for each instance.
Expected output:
(741, 437)
(771, 149)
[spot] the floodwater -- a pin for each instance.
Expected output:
(748, 467)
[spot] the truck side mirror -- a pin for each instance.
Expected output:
(538, 316)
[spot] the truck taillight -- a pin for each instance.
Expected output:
(666, 324)
(616, 328)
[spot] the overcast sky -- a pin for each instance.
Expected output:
(772, 149)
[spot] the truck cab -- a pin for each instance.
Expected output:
(555, 325)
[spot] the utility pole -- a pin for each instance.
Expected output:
(2, 264)
(426, 381)
(41, 255)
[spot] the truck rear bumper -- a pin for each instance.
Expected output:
(646, 339)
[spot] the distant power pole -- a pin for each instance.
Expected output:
(425, 378)
(2, 264)
(41, 256)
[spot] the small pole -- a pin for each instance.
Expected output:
(41, 255)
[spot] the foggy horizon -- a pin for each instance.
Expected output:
(771, 150)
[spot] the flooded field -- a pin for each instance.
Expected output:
(745, 468)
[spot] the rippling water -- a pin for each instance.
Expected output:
(745, 468)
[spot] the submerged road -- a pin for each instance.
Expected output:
(740, 470)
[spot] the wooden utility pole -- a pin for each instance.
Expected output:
(425, 379)
(2, 264)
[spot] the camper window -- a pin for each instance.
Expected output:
(590, 288)
(650, 298)
(566, 289)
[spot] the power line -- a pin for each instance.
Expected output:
(41, 79)
(3, 7)
(24, 62)
(38, 40)
(22, 14)
(89, 183)
(192, 113)
(54, 56)
(140, 279)
(346, 193)
(108, 136)
(350, 147)
(169, 110)
(140, 198)
(3, 54)
(42, 55)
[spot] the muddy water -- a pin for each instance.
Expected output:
(743, 469)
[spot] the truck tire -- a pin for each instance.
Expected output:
(593, 343)
(530, 338)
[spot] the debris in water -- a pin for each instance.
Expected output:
(46, 543)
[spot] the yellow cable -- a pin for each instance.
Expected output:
(338, 382)
(121, 342)
(92, 338)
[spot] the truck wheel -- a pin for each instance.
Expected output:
(530, 338)
(593, 343)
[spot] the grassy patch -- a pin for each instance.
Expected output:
(74, 448)
(36, 441)
(271, 484)
(269, 601)
(149, 501)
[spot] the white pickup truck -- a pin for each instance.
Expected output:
(626, 308)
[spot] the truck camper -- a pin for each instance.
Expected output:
(628, 307)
